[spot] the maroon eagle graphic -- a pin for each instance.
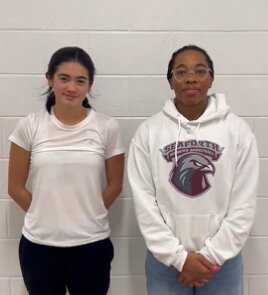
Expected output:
(189, 175)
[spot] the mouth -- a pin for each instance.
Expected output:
(70, 97)
(190, 91)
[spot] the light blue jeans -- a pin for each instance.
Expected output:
(163, 280)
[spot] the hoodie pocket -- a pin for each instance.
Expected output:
(193, 230)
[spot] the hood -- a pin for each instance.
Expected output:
(216, 108)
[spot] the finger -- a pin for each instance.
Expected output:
(198, 284)
(216, 267)
(182, 279)
(205, 262)
(204, 276)
(184, 283)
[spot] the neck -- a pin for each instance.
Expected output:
(69, 116)
(191, 112)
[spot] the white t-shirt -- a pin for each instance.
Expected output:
(67, 177)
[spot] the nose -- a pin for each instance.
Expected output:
(190, 77)
(71, 86)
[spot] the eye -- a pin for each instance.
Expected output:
(63, 79)
(180, 72)
(201, 72)
(197, 164)
(80, 82)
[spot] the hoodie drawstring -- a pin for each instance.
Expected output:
(178, 137)
(177, 141)
(196, 133)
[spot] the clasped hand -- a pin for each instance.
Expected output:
(197, 271)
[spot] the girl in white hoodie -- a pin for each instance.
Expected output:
(193, 170)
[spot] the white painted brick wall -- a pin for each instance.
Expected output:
(131, 43)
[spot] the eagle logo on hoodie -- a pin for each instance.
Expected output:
(189, 174)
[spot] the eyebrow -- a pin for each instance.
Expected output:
(68, 76)
(197, 65)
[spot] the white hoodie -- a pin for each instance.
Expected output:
(201, 198)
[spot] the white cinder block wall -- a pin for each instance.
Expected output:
(131, 43)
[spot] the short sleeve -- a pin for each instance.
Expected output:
(23, 133)
(114, 145)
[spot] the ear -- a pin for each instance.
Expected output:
(49, 81)
(171, 84)
(211, 81)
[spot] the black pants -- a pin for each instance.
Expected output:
(83, 270)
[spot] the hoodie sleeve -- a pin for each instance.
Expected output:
(158, 237)
(235, 228)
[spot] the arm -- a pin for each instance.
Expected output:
(18, 171)
(114, 169)
(236, 226)
(158, 237)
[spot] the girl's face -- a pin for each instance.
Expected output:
(70, 84)
(190, 84)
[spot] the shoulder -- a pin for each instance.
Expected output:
(33, 118)
(33, 121)
(148, 130)
(240, 127)
(150, 124)
(103, 118)
(106, 123)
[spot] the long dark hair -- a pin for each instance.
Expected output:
(66, 54)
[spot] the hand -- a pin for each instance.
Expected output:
(197, 270)
(186, 283)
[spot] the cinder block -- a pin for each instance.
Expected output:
(123, 219)
(245, 285)
(132, 285)
(9, 266)
(136, 15)
(3, 178)
(244, 103)
(9, 125)
(128, 128)
(4, 286)
(3, 219)
(255, 256)
(29, 97)
(111, 15)
(126, 192)
(131, 96)
(1, 136)
(263, 183)
(15, 219)
(17, 287)
(172, 17)
(260, 227)
(260, 130)
(258, 285)
(129, 256)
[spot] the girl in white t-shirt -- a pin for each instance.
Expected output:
(65, 170)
